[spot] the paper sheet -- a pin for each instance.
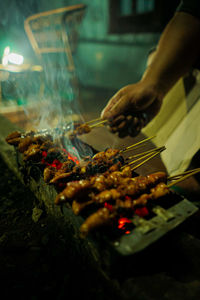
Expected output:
(177, 126)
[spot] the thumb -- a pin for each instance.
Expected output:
(105, 112)
(118, 108)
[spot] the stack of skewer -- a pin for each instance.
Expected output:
(106, 181)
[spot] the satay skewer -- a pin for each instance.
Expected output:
(93, 121)
(129, 148)
(195, 171)
(104, 216)
(177, 176)
(145, 152)
(149, 155)
(98, 124)
(147, 159)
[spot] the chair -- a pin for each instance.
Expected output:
(53, 36)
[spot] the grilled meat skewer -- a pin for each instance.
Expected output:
(95, 183)
(105, 216)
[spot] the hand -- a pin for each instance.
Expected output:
(134, 100)
(128, 125)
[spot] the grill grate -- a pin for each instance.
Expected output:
(147, 232)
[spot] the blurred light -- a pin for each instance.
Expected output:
(6, 51)
(12, 58)
(5, 60)
(15, 58)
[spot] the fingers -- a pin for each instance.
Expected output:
(127, 125)
(111, 103)
(118, 106)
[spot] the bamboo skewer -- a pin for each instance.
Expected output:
(146, 152)
(136, 144)
(99, 123)
(147, 159)
(93, 121)
(157, 151)
(174, 177)
(195, 171)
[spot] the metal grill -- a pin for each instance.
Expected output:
(147, 232)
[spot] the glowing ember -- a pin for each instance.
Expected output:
(70, 156)
(141, 212)
(56, 163)
(123, 223)
(108, 206)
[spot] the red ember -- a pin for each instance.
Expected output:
(141, 212)
(108, 206)
(56, 163)
(122, 224)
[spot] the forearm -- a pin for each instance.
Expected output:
(177, 51)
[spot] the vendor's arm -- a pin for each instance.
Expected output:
(177, 51)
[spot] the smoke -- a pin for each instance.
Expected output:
(50, 98)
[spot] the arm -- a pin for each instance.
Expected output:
(178, 49)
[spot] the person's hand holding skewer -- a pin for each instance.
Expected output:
(132, 107)
(177, 51)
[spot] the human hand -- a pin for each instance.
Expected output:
(140, 101)
(125, 125)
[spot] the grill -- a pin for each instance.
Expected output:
(147, 232)
(130, 235)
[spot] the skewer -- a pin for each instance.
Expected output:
(174, 177)
(146, 152)
(99, 123)
(184, 177)
(146, 155)
(147, 159)
(93, 121)
(134, 145)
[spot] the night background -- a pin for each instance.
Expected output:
(39, 256)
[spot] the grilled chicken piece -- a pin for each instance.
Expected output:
(61, 177)
(106, 155)
(107, 195)
(77, 207)
(14, 138)
(156, 192)
(49, 173)
(82, 128)
(79, 129)
(25, 143)
(159, 190)
(73, 190)
(100, 218)
(33, 153)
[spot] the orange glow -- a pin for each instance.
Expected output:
(70, 156)
(122, 222)
(141, 212)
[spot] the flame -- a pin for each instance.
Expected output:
(71, 156)
(123, 223)
(56, 163)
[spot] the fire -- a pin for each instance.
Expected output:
(108, 206)
(123, 223)
(141, 212)
(56, 163)
(71, 156)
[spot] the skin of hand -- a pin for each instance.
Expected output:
(177, 51)
(134, 97)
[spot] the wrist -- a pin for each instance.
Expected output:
(155, 86)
